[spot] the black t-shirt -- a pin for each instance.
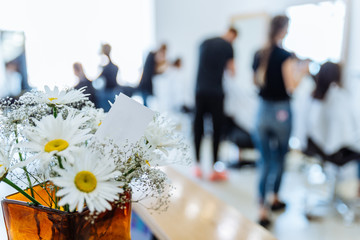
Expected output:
(274, 86)
(214, 54)
(148, 73)
(110, 72)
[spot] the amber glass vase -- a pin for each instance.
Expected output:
(24, 221)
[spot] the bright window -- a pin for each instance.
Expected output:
(59, 33)
(316, 30)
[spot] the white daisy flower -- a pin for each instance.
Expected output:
(153, 157)
(90, 180)
(160, 135)
(56, 97)
(59, 136)
(162, 145)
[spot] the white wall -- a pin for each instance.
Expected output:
(184, 24)
(353, 53)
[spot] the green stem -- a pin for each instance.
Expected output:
(55, 111)
(29, 180)
(43, 185)
(56, 198)
(60, 162)
(26, 172)
(10, 183)
(132, 170)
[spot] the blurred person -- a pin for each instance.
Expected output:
(155, 63)
(109, 77)
(216, 56)
(110, 70)
(12, 84)
(332, 123)
(84, 81)
(22, 69)
(277, 74)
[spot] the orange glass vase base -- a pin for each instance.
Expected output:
(24, 221)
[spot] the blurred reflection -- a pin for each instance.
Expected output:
(178, 190)
(13, 73)
(227, 228)
(12, 88)
(192, 210)
(208, 210)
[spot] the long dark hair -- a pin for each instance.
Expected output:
(278, 23)
(329, 73)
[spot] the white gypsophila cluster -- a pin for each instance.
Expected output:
(19, 113)
(96, 117)
(50, 135)
(17, 116)
(148, 181)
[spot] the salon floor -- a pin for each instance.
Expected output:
(304, 184)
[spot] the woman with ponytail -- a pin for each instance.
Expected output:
(277, 74)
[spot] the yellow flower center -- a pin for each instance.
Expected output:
(56, 145)
(53, 98)
(147, 162)
(85, 181)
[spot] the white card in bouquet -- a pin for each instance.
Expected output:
(126, 120)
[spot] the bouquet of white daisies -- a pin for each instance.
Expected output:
(48, 139)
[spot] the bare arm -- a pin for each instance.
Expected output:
(230, 66)
(293, 74)
(161, 67)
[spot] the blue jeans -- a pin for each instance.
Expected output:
(271, 138)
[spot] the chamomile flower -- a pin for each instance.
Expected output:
(160, 135)
(56, 97)
(59, 136)
(90, 180)
(162, 145)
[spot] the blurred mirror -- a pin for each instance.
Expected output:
(13, 71)
(252, 37)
